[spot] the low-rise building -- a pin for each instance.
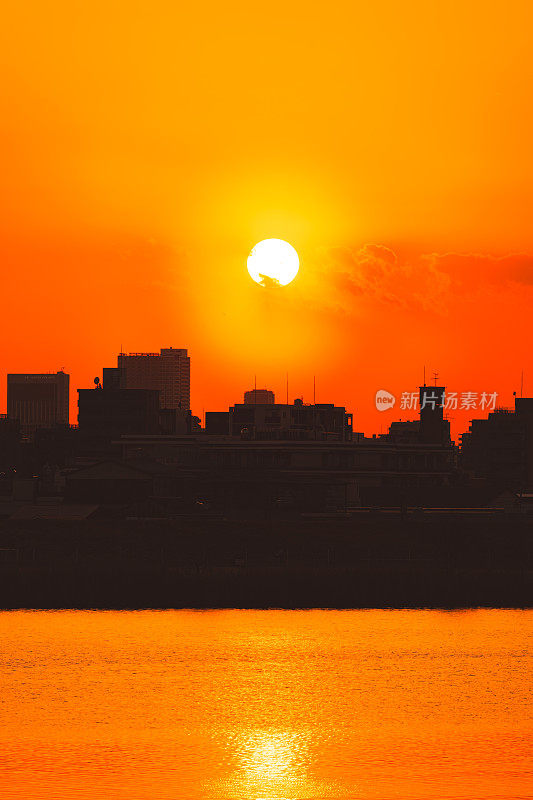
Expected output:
(278, 421)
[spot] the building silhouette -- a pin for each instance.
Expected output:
(38, 400)
(282, 421)
(111, 378)
(109, 413)
(434, 428)
(499, 449)
(257, 459)
(217, 423)
(430, 428)
(307, 474)
(259, 397)
(168, 372)
(9, 445)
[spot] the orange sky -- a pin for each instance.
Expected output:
(146, 147)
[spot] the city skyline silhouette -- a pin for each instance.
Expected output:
(266, 400)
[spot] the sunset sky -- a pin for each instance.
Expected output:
(147, 146)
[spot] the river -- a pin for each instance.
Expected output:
(265, 705)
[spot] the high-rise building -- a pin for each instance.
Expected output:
(38, 401)
(168, 371)
(259, 396)
(433, 427)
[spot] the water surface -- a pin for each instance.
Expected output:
(265, 705)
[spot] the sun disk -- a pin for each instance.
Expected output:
(273, 262)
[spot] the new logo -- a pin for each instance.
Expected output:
(384, 400)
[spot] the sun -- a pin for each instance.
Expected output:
(273, 262)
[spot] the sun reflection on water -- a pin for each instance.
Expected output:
(273, 765)
(265, 705)
(273, 756)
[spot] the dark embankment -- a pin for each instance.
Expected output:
(374, 560)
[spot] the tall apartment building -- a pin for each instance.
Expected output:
(38, 401)
(433, 427)
(168, 371)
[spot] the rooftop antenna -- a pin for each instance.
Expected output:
(255, 390)
(287, 388)
(424, 375)
(435, 376)
(314, 404)
(521, 383)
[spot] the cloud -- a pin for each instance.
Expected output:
(473, 270)
(427, 282)
(376, 273)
